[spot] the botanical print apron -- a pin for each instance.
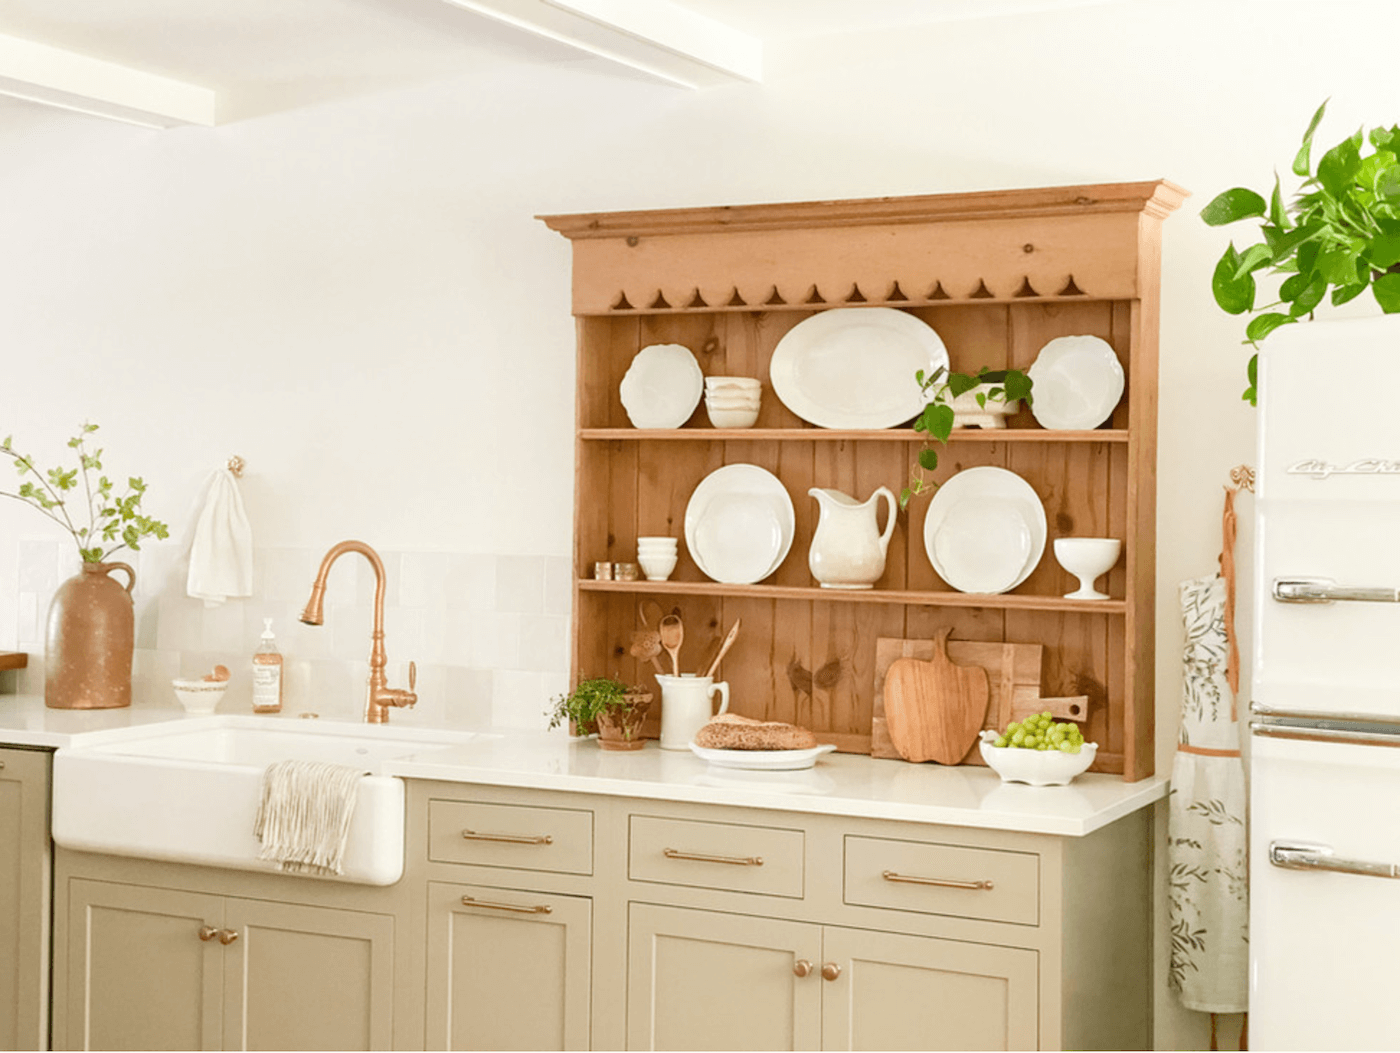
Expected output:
(1207, 839)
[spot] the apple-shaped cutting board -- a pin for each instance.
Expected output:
(934, 709)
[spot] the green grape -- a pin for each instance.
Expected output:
(1001, 741)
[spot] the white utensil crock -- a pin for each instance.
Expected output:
(686, 707)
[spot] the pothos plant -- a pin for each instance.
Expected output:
(1337, 238)
(113, 521)
(939, 389)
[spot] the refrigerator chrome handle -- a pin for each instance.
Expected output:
(1317, 734)
(1300, 855)
(1325, 590)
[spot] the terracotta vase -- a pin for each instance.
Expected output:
(621, 729)
(89, 641)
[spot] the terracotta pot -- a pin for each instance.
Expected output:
(621, 729)
(89, 641)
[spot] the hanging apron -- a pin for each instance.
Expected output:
(1207, 836)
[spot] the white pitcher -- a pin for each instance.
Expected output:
(848, 549)
(687, 706)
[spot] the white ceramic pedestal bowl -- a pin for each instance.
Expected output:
(1088, 559)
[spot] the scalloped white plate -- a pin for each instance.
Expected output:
(662, 386)
(1078, 381)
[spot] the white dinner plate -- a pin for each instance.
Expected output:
(853, 367)
(662, 386)
(739, 524)
(762, 760)
(982, 544)
(990, 500)
(1077, 382)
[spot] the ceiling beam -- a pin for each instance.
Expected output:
(70, 81)
(657, 37)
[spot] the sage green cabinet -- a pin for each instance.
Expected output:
(26, 855)
(507, 968)
(705, 980)
(160, 968)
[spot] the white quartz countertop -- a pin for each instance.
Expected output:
(840, 784)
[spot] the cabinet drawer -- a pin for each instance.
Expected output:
(724, 856)
(515, 836)
(984, 883)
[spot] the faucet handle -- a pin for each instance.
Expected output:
(412, 675)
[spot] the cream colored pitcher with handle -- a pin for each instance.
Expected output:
(848, 549)
(687, 704)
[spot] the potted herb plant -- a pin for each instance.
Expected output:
(1338, 238)
(90, 635)
(980, 399)
(608, 705)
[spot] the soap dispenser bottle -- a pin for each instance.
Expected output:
(267, 673)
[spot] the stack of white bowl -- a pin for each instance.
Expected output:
(732, 402)
(657, 556)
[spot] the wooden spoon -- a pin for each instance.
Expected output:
(646, 644)
(724, 647)
(672, 636)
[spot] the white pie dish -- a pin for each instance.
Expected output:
(739, 524)
(662, 386)
(762, 760)
(989, 499)
(854, 367)
(1077, 382)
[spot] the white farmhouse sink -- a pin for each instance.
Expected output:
(188, 791)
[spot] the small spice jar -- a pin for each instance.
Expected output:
(626, 572)
(603, 571)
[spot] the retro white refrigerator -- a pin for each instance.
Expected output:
(1325, 713)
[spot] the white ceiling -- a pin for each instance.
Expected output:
(259, 48)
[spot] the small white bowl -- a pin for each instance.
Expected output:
(656, 549)
(727, 384)
(199, 696)
(732, 418)
(1036, 767)
(658, 568)
(658, 542)
(730, 402)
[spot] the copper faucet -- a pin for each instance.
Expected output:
(381, 695)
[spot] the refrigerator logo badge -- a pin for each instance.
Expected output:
(1323, 469)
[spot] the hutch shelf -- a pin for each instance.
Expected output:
(997, 275)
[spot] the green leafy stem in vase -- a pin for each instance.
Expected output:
(939, 389)
(113, 521)
(1338, 237)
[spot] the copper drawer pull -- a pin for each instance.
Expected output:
(890, 875)
(509, 839)
(467, 901)
(207, 932)
(738, 861)
(227, 936)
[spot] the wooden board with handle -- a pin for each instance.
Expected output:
(935, 708)
(1013, 683)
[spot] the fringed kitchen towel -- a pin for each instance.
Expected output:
(304, 816)
(221, 543)
(1207, 836)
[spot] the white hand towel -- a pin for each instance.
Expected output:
(304, 817)
(221, 544)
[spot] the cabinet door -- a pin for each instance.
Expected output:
(140, 975)
(703, 980)
(507, 969)
(303, 977)
(24, 899)
(917, 992)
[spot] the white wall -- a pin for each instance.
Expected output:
(354, 295)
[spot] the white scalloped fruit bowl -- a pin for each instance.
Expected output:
(1036, 767)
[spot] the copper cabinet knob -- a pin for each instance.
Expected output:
(227, 936)
(830, 971)
(207, 932)
(801, 967)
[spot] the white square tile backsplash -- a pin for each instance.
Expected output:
(489, 634)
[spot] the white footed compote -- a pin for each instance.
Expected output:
(1088, 559)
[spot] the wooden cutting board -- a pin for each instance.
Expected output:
(934, 709)
(1013, 677)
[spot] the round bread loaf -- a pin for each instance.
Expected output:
(729, 731)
